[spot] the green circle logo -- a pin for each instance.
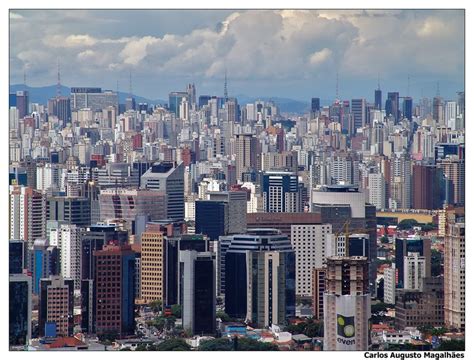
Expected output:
(340, 320)
(349, 331)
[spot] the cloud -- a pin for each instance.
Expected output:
(266, 46)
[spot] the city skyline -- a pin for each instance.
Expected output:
(295, 54)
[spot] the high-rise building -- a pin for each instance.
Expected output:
(168, 178)
(454, 169)
(153, 266)
(251, 261)
(312, 244)
(455, 274)
(245, 153)
(175, 99)
(93, 239)
(70, 253)
(56, 305)
(315, 107)
(389, 282)
(347, 304)
(73, 210)
(378, 99)
(282, 221)
(377, 190)
(61, 107)
(92, 98)
(115, 175)
(198, 284)
(216, 210)
(428, 187)
(115, 289)
(22, 103)
(43, 262)
(16, 256)
(126, 204)
(414, 270)
(344, 207)
(27, 214)
(319, 286)
(392, 105)
(281, 192)
(359, 112)
(412, 244)
(438, 113)
(20, 310)
(400, 181)
(407, 108)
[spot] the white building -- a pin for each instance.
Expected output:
(312, 244)
(377, 190)
(71, 253)
(389, 285)
(414, 271)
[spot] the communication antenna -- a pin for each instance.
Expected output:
(130, 83)
(378, 81)
(337, 85)
(24, 77)
(225, 85)
(408, 86)
(58, 85)
(437, 88)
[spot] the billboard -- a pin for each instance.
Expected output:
(345, 318)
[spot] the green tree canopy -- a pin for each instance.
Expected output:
(407, 224)
(156, 305)
(174, 344)
(452, 345)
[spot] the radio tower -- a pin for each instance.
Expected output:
(58, 85)
(225, 85)
(130, 83)
(337, 85)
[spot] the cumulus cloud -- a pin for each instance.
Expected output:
(283, 45)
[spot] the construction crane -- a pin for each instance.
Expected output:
(344, 230)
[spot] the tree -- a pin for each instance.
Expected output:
(384, 240)
(221, 344)
(452, 345)
(176, 310)
(314, 329)
(407, 224)
(156, 305)
(174, 344)
(246, 344)
(436, 263)
(379, 307)
(223, 316)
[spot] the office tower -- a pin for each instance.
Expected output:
(407, 108)
(115, 175)
(454, 170)
(92, 98)
(419, 308)
(168, 178)
(287, 160)
(16, 256)
(22, 103)
(27, 215)
(115, 289)
(175, 99)
(61, 108)
(191, 90)
(357, 245)
(428, 187)
(126, 204)
(237, 204)
(73, 210)
(460, 103)
(153, 266)
(43, 262)
(231, 113)
(70, 253)
(377, 190)
(412, 244)
(203, 100)
(281, 221)
(56, 305)
(318, 288)
(245, 153)
(281, 192)
(359, 113)
(19, 309)
(378, 99)
(450, 114)
(218, 211)
(392, 105)
(344, 168)
(92, 239)
(414, 270)
(315, 107)
(400, 181)
(389, 283)
(344, 208)
(249, 260)
(455, 274)
(198, 283)
(312, 244)
(438, 113)
(347, 304)
(130, 103)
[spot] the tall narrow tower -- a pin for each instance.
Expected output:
(225, 85)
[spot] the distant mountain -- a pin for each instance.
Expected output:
(286, 105)
(42, 94)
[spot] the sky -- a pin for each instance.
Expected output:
(295, 54)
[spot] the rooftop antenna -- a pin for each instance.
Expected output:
(378, 81)
(24, 77)
(117, 86)
(408, 86)
(225, 85)
(337, 85)
(437, 88)
(58, 85)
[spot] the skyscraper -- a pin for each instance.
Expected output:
(392, 105)
(198, 283)
(315, 107)
(245, 153)
(115, 289)
(153, 266)
(168, 178)
(43, 262)
(20, 310)
(378, 99)
(407, 108)
(175, 99)
(281, 192)
(359, 112)
(347, 304)
(413, 244)
(428, 187)
(22, 103)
